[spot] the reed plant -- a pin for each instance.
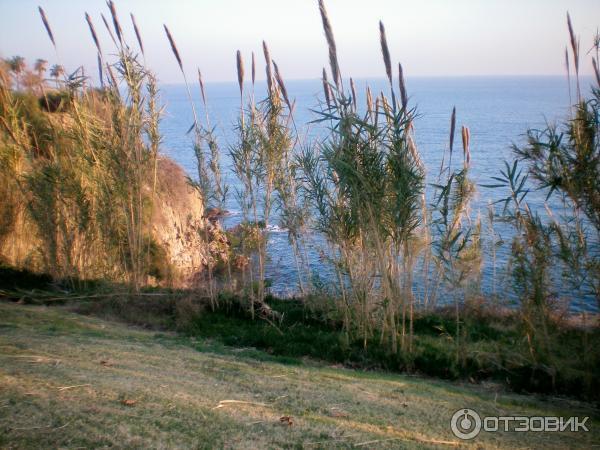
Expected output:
(563, 162)
(209, 182)
(88, 166)
(456, 237)
(263, 160)
(366, 184)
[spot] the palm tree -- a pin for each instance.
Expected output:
(17, 65)
(40, 66)
(57, 71)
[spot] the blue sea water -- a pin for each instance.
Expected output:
(498, 111)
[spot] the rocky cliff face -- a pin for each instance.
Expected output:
(178, 225)
(187, 241)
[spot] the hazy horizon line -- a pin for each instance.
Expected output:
(383, 78)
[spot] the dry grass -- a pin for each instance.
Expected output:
(72, 381)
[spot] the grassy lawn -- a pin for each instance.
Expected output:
(70, 381)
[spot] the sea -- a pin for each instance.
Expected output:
(497, 110)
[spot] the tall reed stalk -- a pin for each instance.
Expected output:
(366, 184)
(209, 184)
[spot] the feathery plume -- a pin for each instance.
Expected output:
(268, 67)
(202, 87)
(575, 49)
(107, 26)
(100, 71)
(568, 67)
(137, 33)
(93, 31)
(253, 69)
(385, 51)
(369, 101)
(282, 86)
(240, 71)
(402, 85)
(574, 43)
(353, 89)
(47, 25)
(115, 18)
(333, 61)
(326, 88)
(466, 139)
(387, 109)
(173, 47)
(452, 128)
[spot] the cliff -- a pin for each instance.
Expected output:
(179, 227)
(184, 240)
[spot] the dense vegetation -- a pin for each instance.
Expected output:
(78, 166)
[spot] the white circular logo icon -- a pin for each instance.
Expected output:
(465, 424)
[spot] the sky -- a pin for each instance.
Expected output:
(429, 37)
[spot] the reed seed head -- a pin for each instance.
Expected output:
(369, 101)
(47, 25)
(387, 109)
(240, 71)
(452, 128)
(466, 140)
(137, 33)
(100, 71)
(107, 26)
(282, 86)
(574, 43)
(326, 88)
(402, 86)
(268, 67)
(201, 82)
(353, 89)
(93, 32)
(253, 69)
(333, 61)
(115, 18)
(385, 51)
(173, 47)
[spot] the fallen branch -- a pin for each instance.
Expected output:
(224, 403)
(27, 356)
(34, 358)
(61, 427)
(340, 439)
(424, 441)
(31, 428)
(64, 388)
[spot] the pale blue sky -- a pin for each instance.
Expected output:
(429, 37)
